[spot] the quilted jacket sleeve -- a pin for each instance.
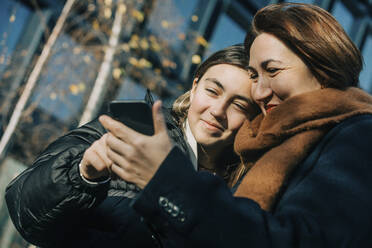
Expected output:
(49, 197)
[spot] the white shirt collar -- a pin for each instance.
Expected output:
(191, 140)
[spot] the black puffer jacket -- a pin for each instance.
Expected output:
(51, 206)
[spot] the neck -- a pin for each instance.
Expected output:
(211, 158)
(206, 157)
(217, 162)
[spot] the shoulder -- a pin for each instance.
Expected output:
(357, 128)
(343, 150)
(362, 121)
(332, 183)
(347, 139)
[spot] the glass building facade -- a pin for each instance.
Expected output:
(114, 49)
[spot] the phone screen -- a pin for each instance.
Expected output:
(135, 114)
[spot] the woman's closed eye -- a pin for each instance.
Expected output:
(211, 91)
(253, 76)
(272, 70)
(241, 107)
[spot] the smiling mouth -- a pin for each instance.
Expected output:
(270, 107)
(213, 126)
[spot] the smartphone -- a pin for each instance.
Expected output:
(136, 114)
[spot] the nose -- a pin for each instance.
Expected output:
(261, 91)
(218, 110)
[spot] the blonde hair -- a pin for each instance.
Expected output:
(181, 107)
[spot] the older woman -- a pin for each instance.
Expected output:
(308, 157)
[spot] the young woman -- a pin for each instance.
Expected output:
(307, 155)
(68, 198)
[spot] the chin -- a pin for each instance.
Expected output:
(207, 141)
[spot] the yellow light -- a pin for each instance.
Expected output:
(165, 24)
(107, 13)
(155, 46)
(196, 59)
(138, 15)
(74, 89)
(116, 73)
(144, 63)
(122, 8)
(95, 25)
(12, 18)
(194, 18)
(125, 47)
(144, 44)
(133, 61)
(134, 37)
(133, 44)
(81, 86)
(53, 96)
(200, 40)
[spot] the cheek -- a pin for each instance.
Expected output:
(191, 113)
(236, 121)
(291, 84)
(197, 106)
(253, 91)
(199, 102)
(281, 87)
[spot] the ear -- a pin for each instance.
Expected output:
(193, 89)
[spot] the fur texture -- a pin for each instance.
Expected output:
(272, 146)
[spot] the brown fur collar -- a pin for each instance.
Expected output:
(272, 146)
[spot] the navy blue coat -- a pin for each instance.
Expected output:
(326, 203)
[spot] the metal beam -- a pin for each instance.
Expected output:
(31, 82)
(100, 85)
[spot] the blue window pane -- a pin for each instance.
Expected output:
(66, 78)
(343, 16)
(130, 90)
(13, 17)
(170, 19)
(260, 3)
(301, 1)
(226, 33)
(365, 77)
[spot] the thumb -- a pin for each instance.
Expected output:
(159, 122)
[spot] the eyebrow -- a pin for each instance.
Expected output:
(264, 64)
(246, 99)
(218, 84)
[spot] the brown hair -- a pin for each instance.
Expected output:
(233, 55)
(316, 37)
